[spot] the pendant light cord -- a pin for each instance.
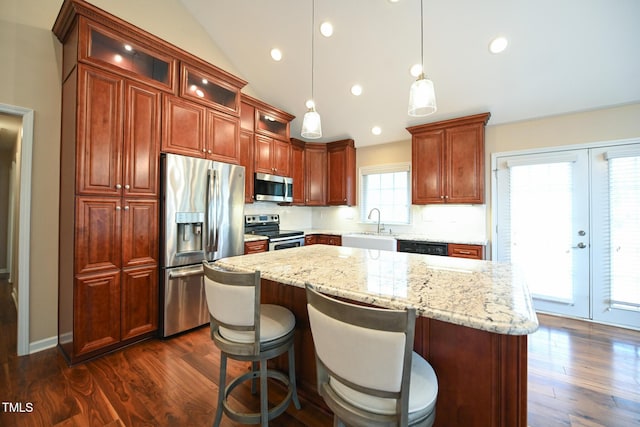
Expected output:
(422, 35)
(313, 22)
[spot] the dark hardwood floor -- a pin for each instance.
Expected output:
(580, 374)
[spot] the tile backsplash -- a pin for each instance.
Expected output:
(442, 222)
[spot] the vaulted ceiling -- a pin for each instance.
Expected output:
(563, 56)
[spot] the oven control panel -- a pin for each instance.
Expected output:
(261, 219)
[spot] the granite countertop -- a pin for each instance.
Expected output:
(482, 295)
(254, 237)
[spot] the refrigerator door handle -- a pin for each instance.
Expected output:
(213, 197)
(209, 211)
(216, 197)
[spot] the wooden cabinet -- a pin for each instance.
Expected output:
(246, 160)
(109, 184)
(341, 173)
(256, 246)
(126, 53)
(118, 136)
(264, 141)
(448, 161)
(211, 87)
(466, 251)
(323, 239)
(272, 156)
(315, 178)
(298, 171)
(329, 239)
(194, 130)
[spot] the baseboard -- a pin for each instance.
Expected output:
(44, 344)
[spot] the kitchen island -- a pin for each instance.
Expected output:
(473, 324)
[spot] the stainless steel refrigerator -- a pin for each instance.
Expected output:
(202, 218)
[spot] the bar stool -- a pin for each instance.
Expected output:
(367, 372)
(245, 330)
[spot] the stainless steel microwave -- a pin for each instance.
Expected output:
(273, 188)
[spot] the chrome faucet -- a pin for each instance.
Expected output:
(371, 213)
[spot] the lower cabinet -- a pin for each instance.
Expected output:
(255, 246)
(323, 239)
(112, 299)
(114, 307)
(466, 251)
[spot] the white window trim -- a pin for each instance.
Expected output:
(379, 169)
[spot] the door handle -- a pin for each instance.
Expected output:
(580, 246)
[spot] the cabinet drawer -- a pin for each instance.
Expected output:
(466, 251)
(255, 246)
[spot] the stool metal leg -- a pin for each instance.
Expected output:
(254, 369)
(292, 376)
(264, 398)
(221, 386)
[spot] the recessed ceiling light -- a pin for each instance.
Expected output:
(376, 130)
(356, 90)
(117, 58)
(499, 44)
(276, 54)
(416, 70)
(128, 47)
(326, 28)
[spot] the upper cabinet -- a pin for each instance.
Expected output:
(341, 173)
(448, 161)
(210, 90)
(126, 54)
(194, 130)
(270, 128)
(315, 174)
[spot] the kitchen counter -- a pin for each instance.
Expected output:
(254, 237)
(473, 323)
(482, 295)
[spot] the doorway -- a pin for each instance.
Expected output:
(568, 219)
(20, 250)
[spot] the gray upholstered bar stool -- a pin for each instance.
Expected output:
(367, 371)
(243, 329)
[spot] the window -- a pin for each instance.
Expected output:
(387, 189)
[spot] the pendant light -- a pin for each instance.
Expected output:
(311, 125)
(422, 96)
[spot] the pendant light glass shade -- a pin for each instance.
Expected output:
(311, 125)
(422, 97)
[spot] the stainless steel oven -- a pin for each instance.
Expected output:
(285, 243)
(269, 225)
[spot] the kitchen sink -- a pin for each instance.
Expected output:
(366, 240)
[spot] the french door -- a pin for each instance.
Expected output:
(570, 220)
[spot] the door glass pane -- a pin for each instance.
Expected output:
(624, 229)
(541, 227)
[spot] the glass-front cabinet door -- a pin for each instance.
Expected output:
(127, 56)
(209, 90)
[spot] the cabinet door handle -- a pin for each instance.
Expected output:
(126, 208)
(118, 208)
(126, 186)
(204, 150)
(118, 186)
(464, 252)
